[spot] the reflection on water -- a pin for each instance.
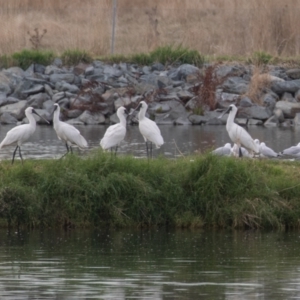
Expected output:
(179, 140)
(155, 264)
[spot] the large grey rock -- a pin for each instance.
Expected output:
(255, 112)
(7, 118)
(280, 87)
(37, 100)
(67, 77)
(272, 122)
(38, 88)
(289, 109)
(182, 72)
(197, 119)
(293, 73)
(4, 84)
(235, 85)
(17, 110)
(66, 87)
(91, 119)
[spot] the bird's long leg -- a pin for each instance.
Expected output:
(147, 150)
(240, 152)
(20, 154)
(14, 154)
(151, 150)
(66, 152)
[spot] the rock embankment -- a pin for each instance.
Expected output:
(91, 93)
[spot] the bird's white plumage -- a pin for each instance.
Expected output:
(148, 128)
(20, 134)
(266, 151)
(115, 134)
(238, 134)
(235, 151)
(292, 151)
(66, 132)
(223, 151)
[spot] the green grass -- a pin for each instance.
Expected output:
(74, 57)
(25, 58)
(200, 191)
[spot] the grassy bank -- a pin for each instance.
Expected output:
(189, 192)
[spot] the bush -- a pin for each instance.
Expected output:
(74, 57)
(27, 57)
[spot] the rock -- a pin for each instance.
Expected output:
(288, 97)
(91, 119)
(7, 118)
(66, 87)
(38, 88)
(235, 85)
(278, 114)
(280, 87)
(245, 102)
(17, 110)
(197, 119)
(272, 122)
(297, 119)
(293, 73)
(255, 112)
(182, 72)
(67, 77)
(289, 109)
(36, 101)
(4, 84)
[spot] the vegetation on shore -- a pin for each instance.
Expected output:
(195, 191)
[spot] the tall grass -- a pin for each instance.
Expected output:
(228, 27)
(190, 192)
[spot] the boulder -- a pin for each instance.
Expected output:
(289, 109)
(17, 110)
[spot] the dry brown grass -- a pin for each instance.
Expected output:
(260, 80)
(215, 27)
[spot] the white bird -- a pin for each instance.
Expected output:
(20, 134)
(237, 133)
(292, 151)
(115, 134)
(67, 133)
(149, 129)
(223, 151)
(264, 150)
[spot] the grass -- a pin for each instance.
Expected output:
(200, 191)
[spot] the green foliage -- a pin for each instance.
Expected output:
(260, 58)
(168, 55)
(102, 190)
(74, 57)
(27, 57)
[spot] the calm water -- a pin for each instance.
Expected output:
(179, 140)
(155, 264)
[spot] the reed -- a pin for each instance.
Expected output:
(229, 27)
(101, 190)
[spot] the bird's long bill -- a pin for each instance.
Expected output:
(225, 112)
(34, 112)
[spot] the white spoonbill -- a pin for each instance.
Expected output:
(20, 134)
(223, 151)
(292, 151)
(149, 129)
(67, 133)
(115, 134)
(237, 133)
(264, 150)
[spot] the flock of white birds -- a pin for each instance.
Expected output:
(243, 144)
(71, 136)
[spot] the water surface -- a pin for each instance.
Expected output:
(179, 140)
(154, 264)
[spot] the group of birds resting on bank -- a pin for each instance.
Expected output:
(245, 145)
(113, 136)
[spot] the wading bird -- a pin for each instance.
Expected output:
(293, 151)
(264, 150)
(20, 134)
(237, 133)
(149, 129)
(223, 151)
(115, 134)
(67, 133)
(235, 151)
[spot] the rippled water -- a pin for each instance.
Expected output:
(179, 140)
(156, 264)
